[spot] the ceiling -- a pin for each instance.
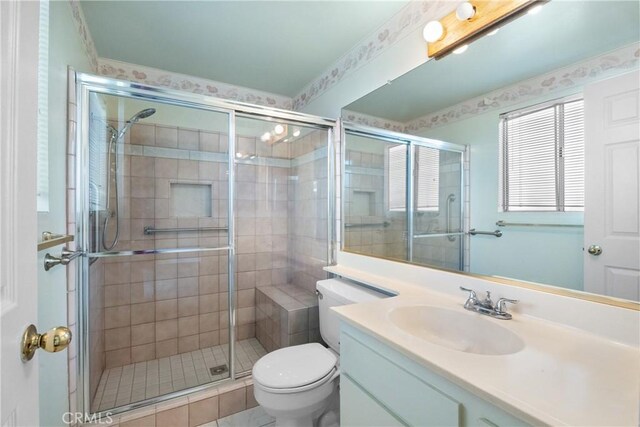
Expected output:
(275, 46)
(562, 33)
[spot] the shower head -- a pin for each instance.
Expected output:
(143, 114)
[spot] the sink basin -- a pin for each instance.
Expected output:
(456, 330)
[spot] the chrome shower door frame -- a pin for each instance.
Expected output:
(86, 84)
(412, 142)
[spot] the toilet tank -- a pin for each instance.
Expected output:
(337, 292)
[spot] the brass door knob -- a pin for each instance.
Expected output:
(54, 340)
(594, 250)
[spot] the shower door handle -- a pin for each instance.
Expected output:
(65, 258)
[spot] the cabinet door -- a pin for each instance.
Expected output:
(416, 401)
(357, 408)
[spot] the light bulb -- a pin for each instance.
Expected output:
(265, 137)
(465, 11)
(433, 31)
(461, 49)
(296, 132)
(278, 129)
(534, 9)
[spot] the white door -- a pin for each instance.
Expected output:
(612, 187)
(18, 220)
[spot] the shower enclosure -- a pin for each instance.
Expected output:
(402, 197)
(205, 225)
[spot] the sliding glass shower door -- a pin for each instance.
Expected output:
(205, 225)
(402, 197)
(157, 225)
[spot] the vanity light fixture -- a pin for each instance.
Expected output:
(433, 31)
(278, 133)
(470, 21)
(465, 11)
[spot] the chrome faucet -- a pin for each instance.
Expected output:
(486, 306)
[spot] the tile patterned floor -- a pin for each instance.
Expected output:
(144, 380)
(254, 417)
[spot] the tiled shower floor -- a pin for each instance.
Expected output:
(138, 381)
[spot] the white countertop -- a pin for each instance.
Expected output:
(563, 376)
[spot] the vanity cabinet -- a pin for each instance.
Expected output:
(381, 387)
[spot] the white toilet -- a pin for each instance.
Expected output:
(298, 385)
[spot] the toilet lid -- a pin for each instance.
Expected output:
(295, 366)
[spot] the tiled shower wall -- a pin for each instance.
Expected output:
(371, 228)
(165, 304)
(308, 210)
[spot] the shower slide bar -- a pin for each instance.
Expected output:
(150, 230)
(371, 224)
(502, 223)
(496, 233)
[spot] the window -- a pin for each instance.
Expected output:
(542, 157)
(42, 160)
(397, 173)
(427, 179)
(427, 172)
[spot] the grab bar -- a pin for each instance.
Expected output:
(526, 224)
(450, 199)
(150, 230)
(370, 224)
(496, 233)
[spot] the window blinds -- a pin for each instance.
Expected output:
(542, 158)
(427, 179)
(98, 154)
(427, 172)
(397, 173)
(43, 111)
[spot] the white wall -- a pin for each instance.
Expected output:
(393, 62)
(65, 49)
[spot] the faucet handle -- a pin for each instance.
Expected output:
(501, 304)
(471, 300)
(472, 293)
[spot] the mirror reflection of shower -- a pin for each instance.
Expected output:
(117, 135)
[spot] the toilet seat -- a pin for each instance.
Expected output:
(327, 378)
(294, 369)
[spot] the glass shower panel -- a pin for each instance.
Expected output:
(437, 215)
(158, 194)
(375, 216)
(281, 205)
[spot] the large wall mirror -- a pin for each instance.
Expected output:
(476, 162)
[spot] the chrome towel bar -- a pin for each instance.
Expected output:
(371, 224)
(150, 230)
(526, 224)
(496, 233)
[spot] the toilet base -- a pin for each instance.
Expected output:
(301, 409)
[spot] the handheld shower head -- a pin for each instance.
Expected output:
(115, 137)
(143, 114)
